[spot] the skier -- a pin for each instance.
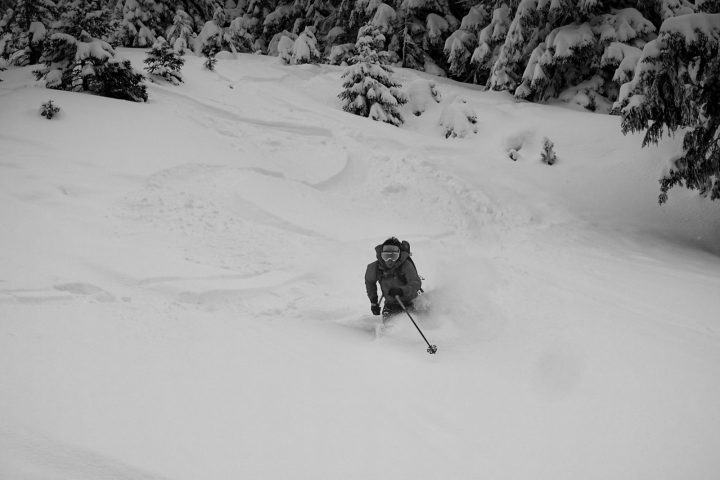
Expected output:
(397, 275)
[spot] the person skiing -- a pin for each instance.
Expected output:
(395, 271)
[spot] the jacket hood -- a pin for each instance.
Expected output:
(403, 256)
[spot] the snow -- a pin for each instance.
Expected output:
(181, 288)
(38, 31)
(93, 49)
(625, 57)
(568, 38)
(384, 17)
(689, 25)
(436, 26)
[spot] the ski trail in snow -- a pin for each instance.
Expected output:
(28, 455)
(220, 112)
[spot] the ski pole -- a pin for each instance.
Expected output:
(431, 348)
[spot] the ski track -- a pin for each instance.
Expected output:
(41, 457)
(219, 243)
(214, 112)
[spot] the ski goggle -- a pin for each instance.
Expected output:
(390, 256)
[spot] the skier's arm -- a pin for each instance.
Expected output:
(371, 283)
(410, 291)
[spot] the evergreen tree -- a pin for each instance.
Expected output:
(282, 18)
(305, 49)
(578, 62)
(141, 22)
(23, 30)
(369, 88)
(458, 119)
(243, 33)
(490, 39)
(214, 37)
(84, 19)
(677, 87)
(209, 51)
(521, 39)
(283, 44)
(461, 44)
(92, 66)
(425, 26)
(548, 155)
(181, 33)
(533, 21)
(164, 62)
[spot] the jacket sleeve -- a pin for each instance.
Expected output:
(410, 291)
(371, 282)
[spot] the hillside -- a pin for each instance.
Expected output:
(181, 289)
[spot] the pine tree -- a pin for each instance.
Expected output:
(579, 62)
(458, 119)
(281, 19)
(243, 33)
(23, 30)
(84, 19)
(521, 39)
(49, 110)
(548, 155)
(425, 26)
(164, 62)
(181, 33)
(305, 49)
(209, 51)
(490, 39)
(369, 88)
(91, 66)
(140, 22)
(213, 37)
(677, 87)
(460, 45)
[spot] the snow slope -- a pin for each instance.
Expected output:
(181, 291)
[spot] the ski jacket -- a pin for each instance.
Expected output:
(402, 275)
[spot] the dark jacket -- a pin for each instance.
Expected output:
(402, 275)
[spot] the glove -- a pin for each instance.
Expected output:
(375, 309)
(395, 292)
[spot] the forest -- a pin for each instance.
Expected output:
(655, 62)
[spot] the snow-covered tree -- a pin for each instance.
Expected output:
(84, 19)
(164, 62)
(181, 33)
(422, 93)
(283, 44)
(209, 51)
(533, 21)
(548, 155)
(458, 119)
(369, 89)
(521, 39)
(92, 66)
(305, 49)
(425, 26)
(676, 87)
(490, 39)
(340, 54)
(213, 37)
(577, 61)
(461, 44)
(243, 33)
(141, 22)
(23, 30)
(49, 110)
